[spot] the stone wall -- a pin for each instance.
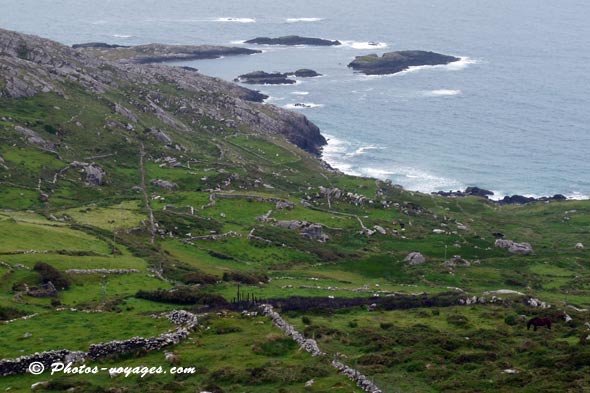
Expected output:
(312, 347)
(185, 319)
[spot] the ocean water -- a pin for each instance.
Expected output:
(513, 116)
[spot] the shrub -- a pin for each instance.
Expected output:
(386, 325)
(198, 278)
(306, 320)
(511, 320)
(182, 295)
(49, 273)
(8, 313)
(458, 320)
(280, 346)
(245, 278)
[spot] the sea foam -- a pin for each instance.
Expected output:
(459, 65)
(442, 92)
(296, 20)
(364, 45)
(234, 20)
(303, 105)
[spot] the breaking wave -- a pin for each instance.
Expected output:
(296, 20)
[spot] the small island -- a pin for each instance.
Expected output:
(393, 62)
(293, 40)
(275, 78)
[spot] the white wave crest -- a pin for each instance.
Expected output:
(303, 105)
(237, 42)
(442, 92)
(300, 93)
(235, 20)
(413, 178)
(364, 45)
(362, 150)
(458, 65)
(122, 36)
(296, 20)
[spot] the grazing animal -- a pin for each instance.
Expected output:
(536, 322)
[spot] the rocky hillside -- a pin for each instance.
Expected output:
(32, 65)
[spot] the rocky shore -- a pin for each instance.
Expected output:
(293, 40)
(393, 62)
(507, 200)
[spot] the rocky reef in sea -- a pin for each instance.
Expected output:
(394, 62)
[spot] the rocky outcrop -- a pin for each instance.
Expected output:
(159, 53)
(513, 247)
(32, 65)
(94, 175)
(469, 191)
(98, 45)
(456, 260)
(293, 40)
(306, 229)
(507, 200)
(414, 258)
(265, 78)
(33, 138)
(165, 184)
(393, 62)
(579, 246)
(305, 73)
(522, 200)
(275, 78)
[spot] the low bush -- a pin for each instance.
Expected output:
(49, 273)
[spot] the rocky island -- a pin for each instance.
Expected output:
(159, 53)
(393, 62)
(275, 78)
(293, 40)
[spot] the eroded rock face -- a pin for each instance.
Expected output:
(393, 62)
(415, 258)
(513, 247)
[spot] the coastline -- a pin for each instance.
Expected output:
(382, 174)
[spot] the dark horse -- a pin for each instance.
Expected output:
(536, 322)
